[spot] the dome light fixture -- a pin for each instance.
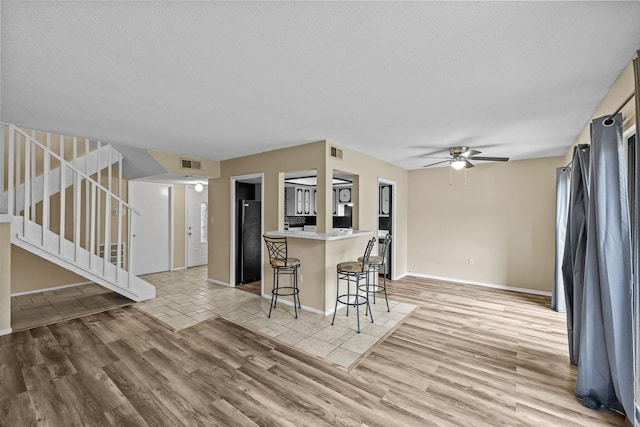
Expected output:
(199, 187)
(458, 162)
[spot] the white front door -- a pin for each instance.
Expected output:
(197, 225)
(150, 248)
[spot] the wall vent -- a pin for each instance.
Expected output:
(190, 164)
(336, 153)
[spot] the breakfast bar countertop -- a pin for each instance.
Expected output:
(334, 235)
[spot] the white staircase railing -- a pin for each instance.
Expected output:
(65, 211)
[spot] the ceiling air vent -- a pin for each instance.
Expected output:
(189, 164)
(336, 152)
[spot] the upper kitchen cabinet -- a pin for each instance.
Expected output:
(298, 201)
(385, 200)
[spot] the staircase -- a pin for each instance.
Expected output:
(66, 207)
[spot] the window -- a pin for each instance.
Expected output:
(204, 209)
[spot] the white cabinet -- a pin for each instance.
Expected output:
(385, 200)
(299, 201)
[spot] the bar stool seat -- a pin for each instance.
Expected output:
(354, 271)
(282, 264)
(377, 264)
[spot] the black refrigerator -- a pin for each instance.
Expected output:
(249, 241)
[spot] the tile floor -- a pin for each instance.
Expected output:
(43, 308)
(185, 298)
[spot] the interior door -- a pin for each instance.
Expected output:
(151, 238)
(197, 226)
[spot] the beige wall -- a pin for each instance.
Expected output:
(504, 219)
(32, 273)
(369, 169)
(621, 89)
(299, 158)
(5, 276)
(179, 227)
(317, 286)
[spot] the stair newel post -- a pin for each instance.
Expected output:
(99, 210)
(76, 200)
(18, 166)
(107, 231)
(92, 241)
(3, 129)
(77, 195)
(87, 195)
(11, 165)
(130, 212)
(119, 247)
(46, 166)
(63, 186)
(32, 201)
(27, 183)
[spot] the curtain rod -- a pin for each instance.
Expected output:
(626, 101)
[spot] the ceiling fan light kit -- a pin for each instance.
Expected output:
(460, 157)
(458, 163)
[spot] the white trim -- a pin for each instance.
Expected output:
(179, 268)
(6, 218)
(486, 285)
(218, 282)
(55, 288)
(5, 331)
(186, 223)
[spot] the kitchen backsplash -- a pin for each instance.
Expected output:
(300, 221)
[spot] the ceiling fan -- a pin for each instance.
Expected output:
(459, 158)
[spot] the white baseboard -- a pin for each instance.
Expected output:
(5, 331)
(218, 282)
(486, 285)
(178, 268)
(55, 288)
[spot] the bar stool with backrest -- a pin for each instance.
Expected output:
(378, 264)
(282, 264)
(354, 270)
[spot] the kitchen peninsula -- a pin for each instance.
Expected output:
(322, 197)
(319, 254)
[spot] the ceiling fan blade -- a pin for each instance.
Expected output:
(468, 164)
(427, 156)
(437, 163)
(492, 159)
(470, 153)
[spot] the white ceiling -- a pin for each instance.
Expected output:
(395, 80)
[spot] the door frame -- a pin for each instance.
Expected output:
(186, 222)
(394, 214)
(233, 224)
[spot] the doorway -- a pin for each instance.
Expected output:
(387, 220)
(247, 228)
(197, 218)
(151, 230)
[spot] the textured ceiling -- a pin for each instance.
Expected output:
(395, 80)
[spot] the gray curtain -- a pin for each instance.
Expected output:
(575, 247)
(563, 177)
(605, 360)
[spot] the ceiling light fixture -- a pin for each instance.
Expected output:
(199, 187)
(458, 162)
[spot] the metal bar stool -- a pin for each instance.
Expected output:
(282, 264)
(354, 270)
(378, 264)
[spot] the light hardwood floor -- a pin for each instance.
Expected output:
(467, 356)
